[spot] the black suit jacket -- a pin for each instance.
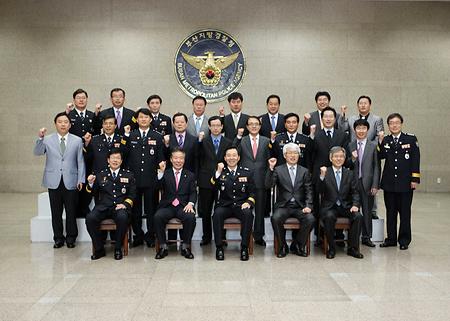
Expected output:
(127, 119)
(266, 125)
(315, 120)
(208, 159)
(190, 147)
(228, 125)
(347, 194)
(186, 192)
(301, 191)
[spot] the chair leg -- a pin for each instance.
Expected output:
(325, 244)
(125, 244)
(275, 244)
(308, 244)
(250, 244)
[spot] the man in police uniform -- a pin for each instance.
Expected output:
(236, 199)
(144, 154)
(160, 122)
(401, 176)
(116, 191)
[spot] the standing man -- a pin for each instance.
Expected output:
(160, 122)
(179, 195)
(236, 199)
(64, 174)
(116, 190)
(198, 121)
(255, 150)
(144, 154)
(401, 176)
(211, 152)
(272, 123)
(367, 172)
(340, 198)
(295, 198)
(235, 120)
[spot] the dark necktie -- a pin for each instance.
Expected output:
(292, 139)
(114, 175)
(143, 134)
(232, 173)
(82, 116)
(109, 141)
(395, 141)
(216, 145)
(329, 134)
(180, 140)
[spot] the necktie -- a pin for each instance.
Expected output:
(118, 118)
(109, 140)
(232, 173)
(180, 140)
(292, 174)
(197, 125)
(254, 147)
(114, 175)
(216, 145)
(62, 145)
(329, 134)
(338, 183)
(360, 157)
(235, 120)
(292, 138)
(395, 141)
(273, 123)
(175, 202)
(82, 116)
(143, 134)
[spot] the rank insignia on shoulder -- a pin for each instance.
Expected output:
(133, 119)
(270, 145)
(123, 141)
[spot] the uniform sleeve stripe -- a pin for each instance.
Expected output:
(251, 199)
(417, 175)
(129, 201)
(213, 181)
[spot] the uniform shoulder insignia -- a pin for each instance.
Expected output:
(270, 145)
(410, 134)
(96, 136)
(133, 119)
(123, 141)
(245, 168)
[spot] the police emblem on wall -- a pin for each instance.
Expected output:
(209, 63)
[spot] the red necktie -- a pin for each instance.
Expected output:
(254, 147)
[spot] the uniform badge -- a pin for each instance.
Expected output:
(124, 190)
(301, 145)
(243, 189)
(406, 146)
(387, 146)
(152, 142)
(116, 145)
(152, 151)
(124, 180)
(163, 123)
(406, 156)
(243, 179)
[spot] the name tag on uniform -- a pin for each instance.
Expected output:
(406, 146)
(243, 179)
(116, 145)
(124, 180)
(163, 123)
(134, 142)
(301, 145)
(152, 142)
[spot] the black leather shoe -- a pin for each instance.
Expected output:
(260, 242)
(331, 254)
(118, 254)
(220, 255)
(70, 245)
(293, 247)
(387, 244)
(355, 253)
(57, 245)
(98, 254)
(137, 243)
(187, 253)
(162, 253)
(283, 251)
(403, 247)
(301, 252)
(150, 243)
(205, 242)
(368, 243)
(244, 254)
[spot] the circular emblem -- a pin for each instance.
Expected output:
(406, 156)
(209, 63)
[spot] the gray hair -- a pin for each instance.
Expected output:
(337, 149)
(291, 146)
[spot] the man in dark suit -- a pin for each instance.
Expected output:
(401, 176)
(144, 154)
(255, 150)
(198, 121)
(272, 123)
(179, 195)
(367, 172)
(236, 199)
(124, 116)
(294, 198)
(236, 120)
(116, 190)
(340, 198)
(211, 152)
(160, 122)
(64, 176)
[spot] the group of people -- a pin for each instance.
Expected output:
(144, 163)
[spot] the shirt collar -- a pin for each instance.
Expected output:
(235, 169)
(182, 134)
(107, 136)
(116, 171)
(194, 116)
(65, 137)
(289, 166)
(329, 129)
(80, 111)
(335, 170)
(118, 109)
(216, 137)
(146, 131)
(364, 141)
(175, 170)
(236, 114)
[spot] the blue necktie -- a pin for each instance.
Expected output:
(216, 145)
(338, 183)
(273, 123)
(197, 125)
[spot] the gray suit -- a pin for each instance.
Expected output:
(203, 127)
(370, 178)
(375, 122)
(62, 173)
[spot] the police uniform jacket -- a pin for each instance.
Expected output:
(162, 124)
(96, 153)
(303, 141)
(235, 190)
(80, 127)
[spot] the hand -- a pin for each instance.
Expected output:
(91, 179)
(414, 185)
(98, 108)
(220, 167)
(120, 207)
(201, 135)
(188, 208)
(343, 110)
(273, 134)
(221, 111)
(69, 107)
(87, 138)
(306, 118)
(306, 210)
(312, 130)
(42, 132)
(354, 209)
(381, 136)
(162, 166)
(323, 171)
(240, 132)
(80, 186)
(272, 162)
(166, 140)
(373, 191)
(355, 154)
(127, 129)
(245, 206)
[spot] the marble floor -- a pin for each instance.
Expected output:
(40, 283)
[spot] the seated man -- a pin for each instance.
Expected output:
(340, 198)
(294, 199)
(179, 195)
(236, 199)
(115, 191)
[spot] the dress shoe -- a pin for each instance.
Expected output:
(57, 245)
(403, 247)
(98, 254)
(162, 253)
(355, 253)
(187, 253)
(244, 253)
(220, 255)
(137, 243)
(301, 252)
(331, 254)
(387, 244)
(368, 243)
(150, 243)
(283, 251)
(118, 254)
(260, 242)
(70, 245)
(205, 242)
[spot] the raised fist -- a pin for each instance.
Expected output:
(162, 166)
(98, 108)
(69, 107)
(87, 138)
(91, 179)
(307, 117)
(273, 134)
(381, 136)
(240, 132)
(355, 154)
(166, 140)
(312, 130)
(221, 111)
(201, 135)
(272, 162)
(42, 132)
(323, 171)
(343, 109)
(127, 129)
(220, 167)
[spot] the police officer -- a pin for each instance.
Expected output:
(236, 199)
(116, 191)
(160, 122)
(401, 176)
(144, 153)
